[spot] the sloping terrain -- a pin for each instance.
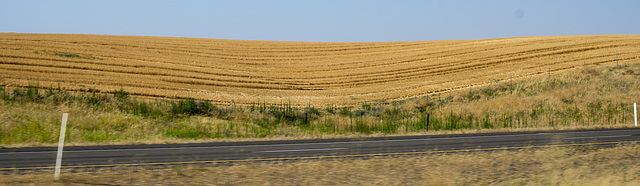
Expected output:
(300, 73)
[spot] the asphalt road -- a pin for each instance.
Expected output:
(229, 152)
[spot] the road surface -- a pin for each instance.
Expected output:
(230, 152)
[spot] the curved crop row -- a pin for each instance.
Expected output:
(226, 71)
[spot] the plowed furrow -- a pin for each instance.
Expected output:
(226, 71)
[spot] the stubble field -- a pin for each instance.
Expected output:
(297, 73)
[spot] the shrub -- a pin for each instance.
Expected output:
(345, 111)
(120, 94)
(190, 106)
(330, 109)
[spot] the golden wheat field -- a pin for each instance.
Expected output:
(300, 73)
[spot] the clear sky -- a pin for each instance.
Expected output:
(323, 20)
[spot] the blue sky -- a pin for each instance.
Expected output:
(323, 20)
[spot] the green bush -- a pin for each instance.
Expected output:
(330, 109)
(120, 94)
(345, 111)
(191, 107)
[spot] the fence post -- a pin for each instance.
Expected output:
(63, 129)
(427, 94)
(428, 121)
(635, 114)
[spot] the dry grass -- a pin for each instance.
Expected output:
(245, 72)
(556, 166)
(587, 97)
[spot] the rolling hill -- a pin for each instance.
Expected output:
(317, 73)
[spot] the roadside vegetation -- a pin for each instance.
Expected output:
(553, 166)
(597, 96)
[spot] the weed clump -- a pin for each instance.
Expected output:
(66, 54)
(191, 107)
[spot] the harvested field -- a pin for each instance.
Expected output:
(300, 73)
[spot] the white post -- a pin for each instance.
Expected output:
(63, 129)
(635, 114)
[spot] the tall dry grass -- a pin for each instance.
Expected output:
(585, 96)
